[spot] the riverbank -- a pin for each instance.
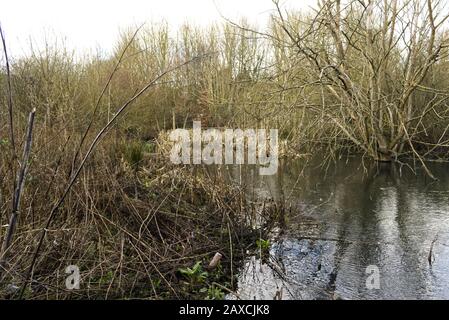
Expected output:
(135, 226)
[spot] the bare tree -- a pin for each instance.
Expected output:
(369, 61)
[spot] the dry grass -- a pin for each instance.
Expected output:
(130, 220)
(126, 244)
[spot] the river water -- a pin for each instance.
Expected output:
(348, 221)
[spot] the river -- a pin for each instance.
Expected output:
(347, 221)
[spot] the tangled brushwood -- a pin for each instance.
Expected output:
(88, 193)
(84, 180)
(132, 224)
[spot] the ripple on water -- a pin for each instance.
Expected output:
(346, 221)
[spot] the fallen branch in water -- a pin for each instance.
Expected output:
(430, 256)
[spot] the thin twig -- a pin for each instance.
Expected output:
(97, 104)
(10, 106)
(21, 177)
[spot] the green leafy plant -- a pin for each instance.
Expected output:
(263, 245)
(156, 283)
(4, 142)
(214, 293)
(106, 278)
(133, 154)
(195, 275)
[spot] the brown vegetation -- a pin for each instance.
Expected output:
(366, 77)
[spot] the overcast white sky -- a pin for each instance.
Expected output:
(91, 24)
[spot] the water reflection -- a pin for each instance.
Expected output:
(346, 218)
